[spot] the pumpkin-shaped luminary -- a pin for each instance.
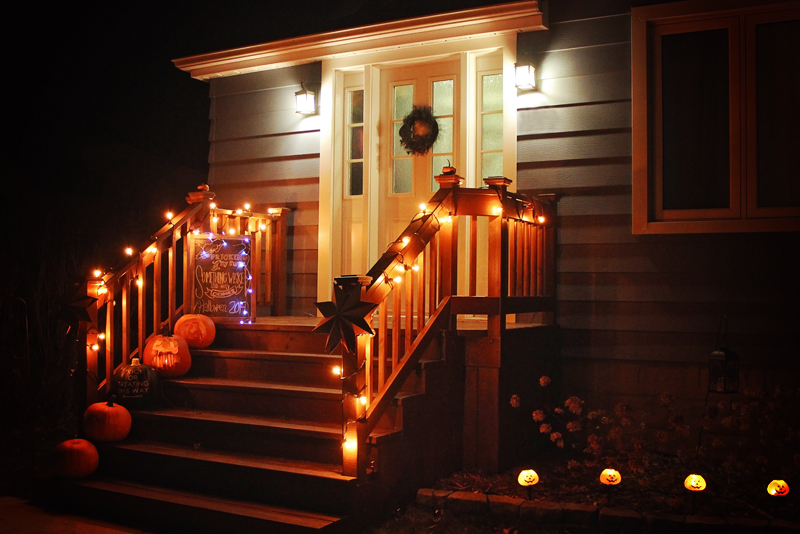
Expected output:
(106, 421)
(75, 458)
(778, 487)
(610, 477)
(694, 483)
(528, 477)
(197, 329)
(168, 355)
(135, 385)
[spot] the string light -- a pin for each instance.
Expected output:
(406, 239)
(363, 400)
(262, 227)
(129, 251)
(169, 215)
(139, 282)
(97, 273)
(540, 219)
(337, 370)
(101, 336)
(213, 205)
(239, 211)
(498, 210)
(247, 207)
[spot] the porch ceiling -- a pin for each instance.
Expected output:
(457, 25)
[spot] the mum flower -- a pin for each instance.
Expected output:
(538, 416)
(545, 428)
(573, 426)
(515, 401)
(544, 381)
(555, 436)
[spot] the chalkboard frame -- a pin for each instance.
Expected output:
(198, 242)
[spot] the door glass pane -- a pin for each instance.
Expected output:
(492, 164)
(398, 149)
(778, 115)
(492, 131)
(695, 129)
(357, 142)
(401, 175)
(356, 178)
(443, 97)
(444, 141)
(492, 92)
(403, 100)
(357, 106)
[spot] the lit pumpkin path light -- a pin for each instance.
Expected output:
(528, 478)
(777, 488)
(694, 483)
(610, 477)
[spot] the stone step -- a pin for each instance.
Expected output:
(281, 482)
(251, 397)
(272, 436)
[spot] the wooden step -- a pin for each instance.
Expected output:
(254, 398)
(276, 481)
(294, 334)
(271, 436)
(284, 367)
(145, 505)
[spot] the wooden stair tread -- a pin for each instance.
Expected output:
(306, 427)
(233, 384)
(266, 512)
(253, 354)
(299, 467)
(293, 426)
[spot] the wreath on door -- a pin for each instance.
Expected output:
(419, 130)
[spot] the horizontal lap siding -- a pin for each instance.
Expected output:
(639, 314)
(264, 153)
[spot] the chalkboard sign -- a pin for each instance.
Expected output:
(222, 281)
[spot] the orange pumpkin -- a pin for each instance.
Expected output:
(106, 421)
(75, 458)
(610, 477)
(168, 355)
(449, 169)
(197, 329)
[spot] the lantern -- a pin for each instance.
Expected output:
(75, 458)
(106, 421)
(198, 330)
(610, 477)
(778, 487)
(135, 385)
(528, 477)
(168, 355)
(694, 483)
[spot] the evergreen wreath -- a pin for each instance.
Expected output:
(419, 130)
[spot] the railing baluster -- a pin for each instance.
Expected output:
(473, 255)
(420, 291)
(408, 280)
(383, 330)
(512, 254)
(396, 326)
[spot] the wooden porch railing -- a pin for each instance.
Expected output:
(507, 236)
(135, 301)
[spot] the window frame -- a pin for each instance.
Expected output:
(648, 24)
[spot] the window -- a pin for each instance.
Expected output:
(354, 164)
(715, 119)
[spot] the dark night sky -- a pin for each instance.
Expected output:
(108, 133)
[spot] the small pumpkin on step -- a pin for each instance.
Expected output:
(106, 421)
(168, 355)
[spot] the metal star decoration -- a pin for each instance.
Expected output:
(345, 317)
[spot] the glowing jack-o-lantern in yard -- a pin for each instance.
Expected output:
(528, 477)
(778, 487)
(168, 355)
(694, 483)
(610, 477)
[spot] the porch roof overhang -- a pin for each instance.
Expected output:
(431, 29)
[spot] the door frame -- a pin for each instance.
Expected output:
(371, 62)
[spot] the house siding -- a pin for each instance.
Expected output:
(264, 153)
(639, 315)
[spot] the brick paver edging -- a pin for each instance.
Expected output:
(513, 509)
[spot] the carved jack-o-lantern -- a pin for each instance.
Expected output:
(168, 355)
(198, 330)
(694, 483)
(610, 477)
(528, 477)
(778, 487)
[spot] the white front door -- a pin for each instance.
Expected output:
(406, 180)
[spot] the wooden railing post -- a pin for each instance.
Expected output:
(354, 386)
(448, 242)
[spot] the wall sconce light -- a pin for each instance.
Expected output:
(305, 101)
(524, 75)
